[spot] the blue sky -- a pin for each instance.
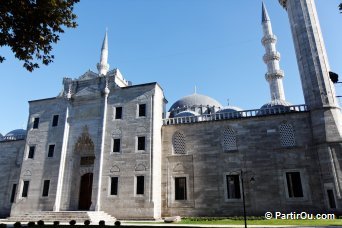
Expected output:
(214, 45)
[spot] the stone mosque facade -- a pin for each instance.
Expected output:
(104, 144)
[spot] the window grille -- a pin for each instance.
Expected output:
(179, 143)
(287, 137)
(229, 139)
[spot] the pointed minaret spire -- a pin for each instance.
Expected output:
(274, 74)
(103, 65)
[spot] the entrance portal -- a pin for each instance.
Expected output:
(86, 186)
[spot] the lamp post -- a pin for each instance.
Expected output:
(252, 180)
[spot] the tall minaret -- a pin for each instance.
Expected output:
(274, 74)
(103, 65)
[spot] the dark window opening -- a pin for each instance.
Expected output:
(51, 150)
(140, 185)
(331, 198)
(14, 189)
(89, 160)
(116, 146)
(141, 143)
(142, 110)
(118, 113)
(46, 188)
(294, 184)
(25, 188)
(114, 186)
(31, 152)
(233, 187)
(180, 188)
(36, 123)
(55, 120)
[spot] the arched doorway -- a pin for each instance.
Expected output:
(86, 186)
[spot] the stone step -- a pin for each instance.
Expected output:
(64, 216)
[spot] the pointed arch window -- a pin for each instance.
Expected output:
(229, 139)
(287, 135)
(178, 142)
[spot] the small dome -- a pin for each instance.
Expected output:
(17, 134)
(276, 104)
(229, 109)
(195, 100)
(186, 114)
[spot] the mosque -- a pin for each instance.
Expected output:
(104, 144)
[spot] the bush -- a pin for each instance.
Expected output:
(17, 224)
(117, 223)
(55, 223)
(40, 223)
(31, 224)
(86, 222)
(2, 225)
(102, 223)
(72, 222)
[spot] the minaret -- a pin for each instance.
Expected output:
(274, 74)
(103, 65)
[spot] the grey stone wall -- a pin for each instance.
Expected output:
(259, 154)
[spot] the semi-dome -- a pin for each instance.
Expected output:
(187, 113)
(276, 104)
(229, 109)
(17, 134)
(195, 100)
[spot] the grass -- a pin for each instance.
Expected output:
(253, 221)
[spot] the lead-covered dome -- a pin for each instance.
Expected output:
(186, 114)
(17, 134)
(276, 104)
(195, 100)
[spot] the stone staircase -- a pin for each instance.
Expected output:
(64, 217)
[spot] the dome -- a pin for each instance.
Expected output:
(186, 114)
(276, 104)
(229, 109)
(15, 135)
(195, 100)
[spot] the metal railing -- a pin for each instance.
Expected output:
(235, 115)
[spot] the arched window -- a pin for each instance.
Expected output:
(178, 141)
(287, 137)
(229, 139)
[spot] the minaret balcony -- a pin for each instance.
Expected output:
(278, 74)
(271, 56)
(269, 39)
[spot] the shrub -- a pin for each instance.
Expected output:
(2, 225)
(40, 223)
(17, 224)
(86, 222)
(55, 223)
(102, 223)
(72, 222)
(31, 224)
(117, 223)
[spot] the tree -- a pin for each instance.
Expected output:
(341, 7)
(30, 27)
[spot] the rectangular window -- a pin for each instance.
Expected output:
(141, 143)
(294, 184)
(142, 110)
(180, 188)
(233, 187)
(35, 123)
(116, 145)
(31, 152)
(51, 150)
(46, 187)
(114, 186)
(55, 120)
(118, 113)
(140, 185)
(25, 189)
(331, 198)
(14, 189)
